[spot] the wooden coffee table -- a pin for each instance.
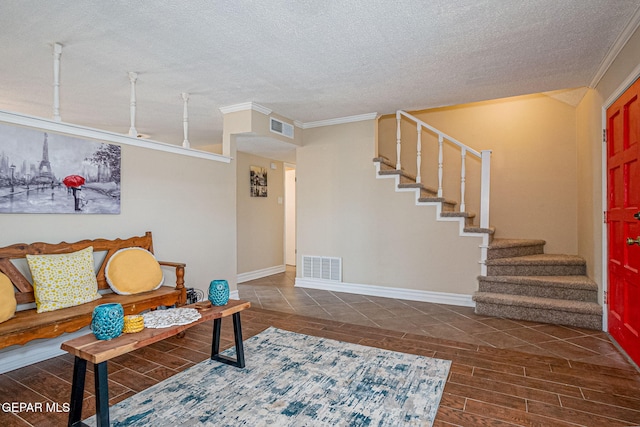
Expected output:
(89, 349)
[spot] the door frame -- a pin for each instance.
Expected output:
(287, 219)
(626, 84)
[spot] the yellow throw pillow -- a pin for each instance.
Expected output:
(132, 271)
(63, 280)
(7, 298)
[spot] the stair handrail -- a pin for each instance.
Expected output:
(484, 156)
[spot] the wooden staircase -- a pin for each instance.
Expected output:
(447, 208)
(521, 281)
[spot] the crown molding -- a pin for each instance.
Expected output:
(340, 120)
(244, 107)
(621, 41)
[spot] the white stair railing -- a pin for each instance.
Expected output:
(484, 156)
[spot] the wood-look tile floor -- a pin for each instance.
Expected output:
(487, 385)
(278, 293)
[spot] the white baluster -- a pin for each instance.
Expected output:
(132, 104)
(185, 121)
(398, 166)
(440, 164)
(57, 52)
(419, 156)
(485, 188)
(463, 178)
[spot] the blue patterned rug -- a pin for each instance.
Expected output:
(294, 380)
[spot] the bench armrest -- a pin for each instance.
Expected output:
(179, 266)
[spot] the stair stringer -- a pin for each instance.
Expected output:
(462, 229)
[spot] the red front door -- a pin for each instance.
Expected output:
(623, 219)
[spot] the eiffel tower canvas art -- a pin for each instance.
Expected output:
(45, 172)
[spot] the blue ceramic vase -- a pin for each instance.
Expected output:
(107, 321)
(219, 292)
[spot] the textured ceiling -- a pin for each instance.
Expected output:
(307, 60)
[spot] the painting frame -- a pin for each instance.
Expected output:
(45, 172)
(258, 181)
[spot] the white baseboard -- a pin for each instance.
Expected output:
(387, 292)
(234, 295)
(259, 274)
(18, 356)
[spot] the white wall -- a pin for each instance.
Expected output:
(533, 163)
(188, 203)
(383, 238)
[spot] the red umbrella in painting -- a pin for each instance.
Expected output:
(73, 181)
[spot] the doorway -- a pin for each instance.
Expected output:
(290, 214)
(623, 220)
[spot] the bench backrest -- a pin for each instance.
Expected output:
(24, 289)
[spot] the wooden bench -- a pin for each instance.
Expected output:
(28, 325)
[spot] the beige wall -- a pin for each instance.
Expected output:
(383, 238)
(260, 231)
(590, 211)
(260, 219)
(622, 72)
(174, 196)
(533, 164)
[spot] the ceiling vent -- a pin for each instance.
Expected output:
(281, 128)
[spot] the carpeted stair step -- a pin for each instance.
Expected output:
(385, 163)
(577, 288)
(468, 216)
(427, 194)
(545, 310)
(424, 190)
(537, 265)
(405, 178)
(447, 205)
(490, 231)
(509, 248)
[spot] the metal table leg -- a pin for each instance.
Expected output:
(77, 392)
(237, 333)
(102, 394)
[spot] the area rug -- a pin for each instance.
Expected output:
(294, 380)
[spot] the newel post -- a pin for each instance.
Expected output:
(485, 188)
(419, 154)
(440, 164)
(463, 178)
(398, 166)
